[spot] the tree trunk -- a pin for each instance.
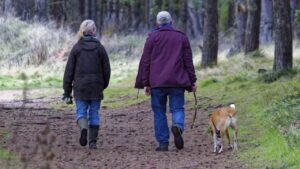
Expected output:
(266, 34)
(147, 14)
(94, 10)
(283, 36)
(240, 27)
(181, 15)
(2, 4)
(253, 22)
(136, 15)
(82, 9)
(210, 35)
(41, 10)
(193, 21)
(230, 21)
(117, 11)
(8, 7)
(201, 17)
(293, 9)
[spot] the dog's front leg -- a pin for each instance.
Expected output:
(221, 141)
(215, 142)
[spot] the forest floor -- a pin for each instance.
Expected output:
(38, 135)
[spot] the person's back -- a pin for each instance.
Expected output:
(170, 67)
(90, 74)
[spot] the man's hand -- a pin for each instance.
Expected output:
(147, 90)
(67, 98)
(194, 87)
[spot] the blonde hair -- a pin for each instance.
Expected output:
(87, 26)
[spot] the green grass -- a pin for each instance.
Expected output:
(16, 82)
(268, 112)
(5, 154)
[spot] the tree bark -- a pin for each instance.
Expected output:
(201, 17)
(293, 9)
(230, 21)
(266, 35)
(283, 36)
(8, 7)
(239, 27)
(193, 21)
(253, 23)
(136, 15)
(181, 15)
(2, 6)
(41, 10)
(210, 35)
(147, 13)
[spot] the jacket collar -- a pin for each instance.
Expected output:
(164, 27)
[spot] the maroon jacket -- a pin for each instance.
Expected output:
(166, 61)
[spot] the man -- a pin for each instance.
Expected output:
(166, 70)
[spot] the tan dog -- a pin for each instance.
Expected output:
(220, 121)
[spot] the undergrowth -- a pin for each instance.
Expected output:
(268, 110)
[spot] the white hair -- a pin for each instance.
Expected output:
(163, 17)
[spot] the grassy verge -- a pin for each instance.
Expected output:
(268, 112)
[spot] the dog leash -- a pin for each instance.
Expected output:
(195, 112)
(137, 94)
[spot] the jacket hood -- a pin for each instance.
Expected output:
(89, 43)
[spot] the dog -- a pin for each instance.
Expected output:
(220, 121)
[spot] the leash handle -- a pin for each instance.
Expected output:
(195, 112)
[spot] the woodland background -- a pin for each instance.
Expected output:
(244, 51)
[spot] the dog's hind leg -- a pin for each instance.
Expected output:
(235, 132)
(228, 139)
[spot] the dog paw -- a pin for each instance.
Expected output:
(221, 150)
(235, 147)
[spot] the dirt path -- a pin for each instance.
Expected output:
(126, 139)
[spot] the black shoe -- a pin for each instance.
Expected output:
(162, 148)
(83, 137)
(178, 140)
(93, 145)
(93, 135)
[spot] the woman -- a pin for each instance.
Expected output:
(87, 73)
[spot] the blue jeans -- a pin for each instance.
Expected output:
(88, 109)
(159, 98)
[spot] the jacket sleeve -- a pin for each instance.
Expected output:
(138, 80)
(146, 60)
(188, 60)
(106, 67)
(70, 71)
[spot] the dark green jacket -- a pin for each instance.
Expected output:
(88, 70)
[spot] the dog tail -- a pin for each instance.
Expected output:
(232, 105)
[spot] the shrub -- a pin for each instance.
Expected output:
(284, 114)
(22, 43)
(272, 76)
